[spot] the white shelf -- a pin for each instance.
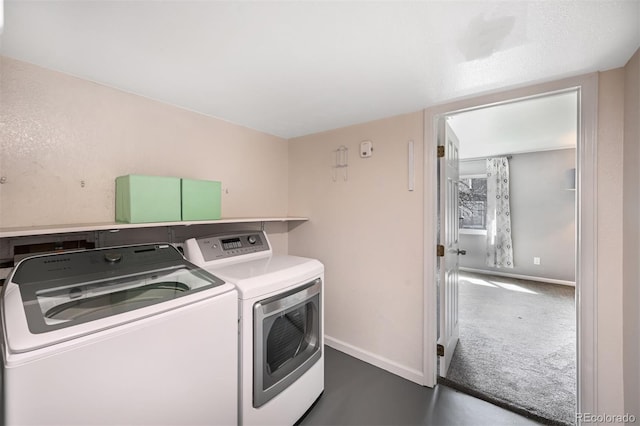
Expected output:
(25, 231)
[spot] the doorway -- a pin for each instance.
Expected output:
(586, 250)
(517, 333)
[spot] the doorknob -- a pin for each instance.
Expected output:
(462, 252)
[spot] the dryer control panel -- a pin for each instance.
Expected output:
(214, 248)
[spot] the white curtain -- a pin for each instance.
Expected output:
(499, 244)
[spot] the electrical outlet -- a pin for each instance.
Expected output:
(536, 260)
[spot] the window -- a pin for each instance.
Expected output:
(472, 201)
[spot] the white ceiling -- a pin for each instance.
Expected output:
(539, 124)
(294, 68)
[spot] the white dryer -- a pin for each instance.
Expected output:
(281, 323)
(130, 335)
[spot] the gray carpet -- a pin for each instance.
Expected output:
(517, 346)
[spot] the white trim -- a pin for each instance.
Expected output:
(529, 151)
(520, 277)
(430, 272)
(377, 360)
(586, 232)
(587, 248)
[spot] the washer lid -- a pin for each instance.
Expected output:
(260, 277)
(56, 297)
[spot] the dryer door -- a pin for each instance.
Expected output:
(287, 330)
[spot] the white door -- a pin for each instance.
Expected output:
(448, 263)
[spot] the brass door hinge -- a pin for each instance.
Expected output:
(440, 151)
(440, 350)
(440, 250)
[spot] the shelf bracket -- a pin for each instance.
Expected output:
(97, 238)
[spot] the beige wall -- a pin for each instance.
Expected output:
(367, 231)
(58, 130)
(609, 291)
(631, 237)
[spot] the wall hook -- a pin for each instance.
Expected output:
(341, 161)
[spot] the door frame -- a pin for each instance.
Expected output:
(586, 224)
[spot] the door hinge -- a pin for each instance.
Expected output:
(440, 151)
(440, 350)
(440, 250)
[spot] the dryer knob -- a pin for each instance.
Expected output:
(252, 239)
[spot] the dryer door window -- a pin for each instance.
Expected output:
(286, 339)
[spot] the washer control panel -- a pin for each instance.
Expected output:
(225, 246)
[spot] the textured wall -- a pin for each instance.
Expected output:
(542, 216)
(367, 231)
(610, 241)
(631, 238)
(57, 130)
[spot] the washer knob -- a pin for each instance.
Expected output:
(252, 239)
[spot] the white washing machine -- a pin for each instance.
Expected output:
(130, 335)
(281, 323)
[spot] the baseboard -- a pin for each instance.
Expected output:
(521, 277)
(373, 359)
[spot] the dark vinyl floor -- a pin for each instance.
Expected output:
(357, 393)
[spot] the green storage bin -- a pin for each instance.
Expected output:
(141, 199)
(201, 199)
